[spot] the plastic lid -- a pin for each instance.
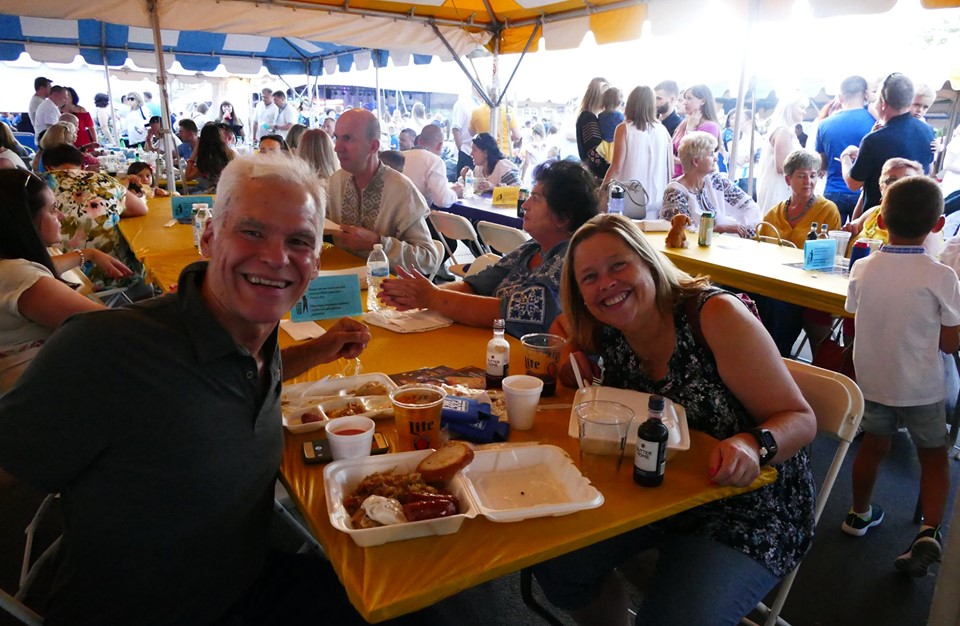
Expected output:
(655, 403)
(378, 246)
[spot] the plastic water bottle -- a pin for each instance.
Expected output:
(651, 456)
(615, 206)
(377, 269)
(468, 185)
(498, 357)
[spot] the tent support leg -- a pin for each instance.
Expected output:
(167, 133)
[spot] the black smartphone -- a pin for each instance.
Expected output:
(318, 451)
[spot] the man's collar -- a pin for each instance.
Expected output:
(210, 340)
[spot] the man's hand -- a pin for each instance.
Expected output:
(355, 238)
(346, 339)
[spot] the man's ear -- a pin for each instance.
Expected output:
(941, 221)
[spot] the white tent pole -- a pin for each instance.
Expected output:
(376, 77)
(166, 133)
(106, 70)
(752, 12)
(495, 94)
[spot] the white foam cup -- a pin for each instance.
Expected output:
(522, 394)
(345, 440)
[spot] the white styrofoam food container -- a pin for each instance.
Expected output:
(514, 484)
(498, 485)
(332, 394)
(674, 416)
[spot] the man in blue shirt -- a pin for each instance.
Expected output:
(902, 135)
(845, 128)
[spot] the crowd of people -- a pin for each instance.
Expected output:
(586, 274)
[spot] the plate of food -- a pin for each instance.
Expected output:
(310, 406)
(393, 497)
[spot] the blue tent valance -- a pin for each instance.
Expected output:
(47, 39)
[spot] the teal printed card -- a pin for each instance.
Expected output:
(327, 297)
(818, 254)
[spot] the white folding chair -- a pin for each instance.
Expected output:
(439, 245)
(18, 610)
(776, 238)
(500, 238)
(455, 227)
(838, 405)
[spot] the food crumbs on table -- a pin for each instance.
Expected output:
(522, 493)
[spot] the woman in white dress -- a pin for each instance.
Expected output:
(780, 141)
(641, 151)
(137, 120)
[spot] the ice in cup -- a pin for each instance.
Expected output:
(417, 409)
(522, 394)
(350, 437)
(541, 358)
(603, 435)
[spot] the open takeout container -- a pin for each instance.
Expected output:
(335, 397)
(506, 485)
(674, 416)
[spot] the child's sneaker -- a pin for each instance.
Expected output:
(924, 552)
(857, 526)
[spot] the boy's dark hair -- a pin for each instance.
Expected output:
(911, 207)
(60, 155)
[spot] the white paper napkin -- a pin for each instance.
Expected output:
(299, 331)
(417, 321)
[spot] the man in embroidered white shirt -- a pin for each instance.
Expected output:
(375, 204)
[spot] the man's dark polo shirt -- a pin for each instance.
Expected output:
(902, 136)
(149, 423)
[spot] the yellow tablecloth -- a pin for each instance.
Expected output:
(390, 580)
(393, 579)
(760, 268)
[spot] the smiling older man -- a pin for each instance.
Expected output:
(167, 466)
(375, 204)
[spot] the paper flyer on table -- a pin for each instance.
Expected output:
(409, 321)
(328, 296)
(299, 331)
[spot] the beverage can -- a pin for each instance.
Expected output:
(201, 214)
(705, 236)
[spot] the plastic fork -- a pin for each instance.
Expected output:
(598, 380)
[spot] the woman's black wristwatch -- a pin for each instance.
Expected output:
(767, 445)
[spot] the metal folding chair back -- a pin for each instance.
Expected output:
(503, 239)
(837, 403)
(454, 227)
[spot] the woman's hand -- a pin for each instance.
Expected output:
(464, 172)
(735, 461)
(411, 290)
(481, 185)
(734, 229)
(111, 266)
(588, 370)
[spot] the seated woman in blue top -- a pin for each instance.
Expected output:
(523, 287)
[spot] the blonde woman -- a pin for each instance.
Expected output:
(588, 128)
(642, 152)
(59, 133)
(779, 142)
(137, 120)
(316, 148)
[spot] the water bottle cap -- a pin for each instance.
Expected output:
(378, 246)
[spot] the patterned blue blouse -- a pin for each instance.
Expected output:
(529, 299)
(774, 524)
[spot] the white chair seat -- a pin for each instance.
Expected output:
(503, 239)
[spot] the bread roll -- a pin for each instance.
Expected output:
(443, 464)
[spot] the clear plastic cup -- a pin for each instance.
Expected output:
(603, 435)
(843, 240)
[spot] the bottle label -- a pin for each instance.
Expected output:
(498, 360)
(648, 455)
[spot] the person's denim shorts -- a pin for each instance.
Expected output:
(927, 424)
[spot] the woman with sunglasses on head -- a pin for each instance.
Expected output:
(33, 299)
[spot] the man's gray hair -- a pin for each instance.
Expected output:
(897, 91)
(286, 168)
